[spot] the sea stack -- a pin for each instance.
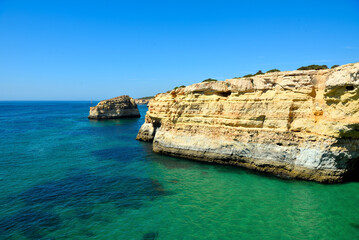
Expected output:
(299, 124)
(118, 107)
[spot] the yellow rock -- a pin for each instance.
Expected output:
(118, 107)
(303, 124)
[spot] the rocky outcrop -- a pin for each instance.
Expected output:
(118, 107)
(301, 124)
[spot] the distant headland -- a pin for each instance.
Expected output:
(143, 100)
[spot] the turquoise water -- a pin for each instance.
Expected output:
(65, 177)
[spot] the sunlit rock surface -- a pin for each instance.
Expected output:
(118, 107)
(301, 124)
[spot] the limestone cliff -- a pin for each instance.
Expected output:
(118, 107)
(302, 124)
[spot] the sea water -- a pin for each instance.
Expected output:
(66, 177)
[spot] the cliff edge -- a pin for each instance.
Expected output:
(301, 124)
(118, 107)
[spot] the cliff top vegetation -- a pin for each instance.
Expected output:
(144, 98)
(313, 67)
(209, 80)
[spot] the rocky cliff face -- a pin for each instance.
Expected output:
(302, 124)
(118, 107)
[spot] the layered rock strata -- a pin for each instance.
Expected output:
(118, 107)
(301, 124)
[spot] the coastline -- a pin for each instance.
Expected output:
(286, 123)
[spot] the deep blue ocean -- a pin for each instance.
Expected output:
(66, 177)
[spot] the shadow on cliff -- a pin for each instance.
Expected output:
(353, 175)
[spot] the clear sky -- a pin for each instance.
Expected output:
(83, 50)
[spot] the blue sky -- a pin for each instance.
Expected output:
(83, 50)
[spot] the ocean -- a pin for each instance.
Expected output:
(66, 177)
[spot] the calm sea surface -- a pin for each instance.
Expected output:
(65, 177)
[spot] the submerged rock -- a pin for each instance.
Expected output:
(118, 107)
(150, 236)
(301, 124)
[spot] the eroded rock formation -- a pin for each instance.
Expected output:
(118, 107)
(302, 124)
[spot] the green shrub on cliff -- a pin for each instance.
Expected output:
(334, 66)
(210, 80)
(248, 75)
(251, 75)
(259, 73)
(179, 87)
(273, 70)
(313, 67)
